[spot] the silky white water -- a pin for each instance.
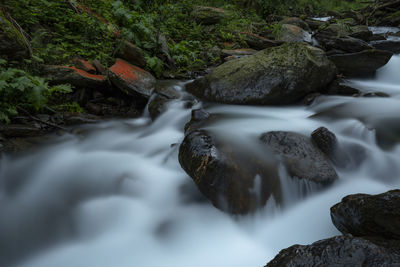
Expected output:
(115, 194)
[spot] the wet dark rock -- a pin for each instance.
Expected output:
(327, 142)
(369, 215)
(343, 251)
(233, 178)
(377, 37)
(365, 62)
(131, 79)
(196, 120)
(157, 105)
(337, 87)
(258, 42)
(75, 119)
(301, 158)
(277, 75)
(208, 15)
(314, 24)
(387, 45)
(132, 54)
(361, 32)
(345, 44)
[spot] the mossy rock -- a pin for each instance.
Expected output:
(277, 75)
(208, 15)
(12, 45)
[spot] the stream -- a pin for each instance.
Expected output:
(114, 194)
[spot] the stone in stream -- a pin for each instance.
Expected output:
(258, 42)
(131, 79)
(301, 158)
(365, 62)
(387, 45)
(369, 215)
(341, 251)
(277, 75)
(233, 178)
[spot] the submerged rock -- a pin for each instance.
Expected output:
(231, 177)
(343, 251)
(277, 75)
(301, 158)
(131, 80)
(365, 62)
(369, 215)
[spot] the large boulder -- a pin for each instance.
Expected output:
(277, 75)
(293, 33)
(80, 79)
(131, 79)
(301, 158)
(364, 62)
(233, 178)
(369, 215)
(343, 251)
(12, 42)
(208, 15)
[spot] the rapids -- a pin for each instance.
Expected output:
(114, 194)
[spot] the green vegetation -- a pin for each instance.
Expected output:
(20, 89)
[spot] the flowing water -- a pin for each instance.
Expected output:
(115, 195)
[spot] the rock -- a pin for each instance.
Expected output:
(338, 88)
(132, 54)
(377, 37)
(301, 158)
(208, 15)
(258, 42)
(344, 251)
(233, 178)
(163, 94)
(19, 130)
(12, 42)
(361, 32)
(238, 52)
(369, 215)
(327, 142)
(344, 44)
(365, 62)
(387, 45)
(131, 80)
(84, 65)
(297, 22)
(314, 24)
(293, 34)
(277, 75)
(197, 119)
(76, 77)
(99, 67)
